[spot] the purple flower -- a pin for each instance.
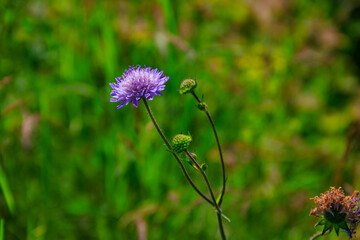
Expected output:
(337, 211)
(137, 83)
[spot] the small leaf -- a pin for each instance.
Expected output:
(344, 226)
(321, 222)
(328, 227)
(336, 226)
(228, 219)
(218, 198)
(204, 166)
(192, 164)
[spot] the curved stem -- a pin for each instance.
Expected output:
(205, 178)
(174, 154)
(316, 235)
(219, 149)
(218, 210)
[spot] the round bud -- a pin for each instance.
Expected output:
(202, 106)
(187, 85)
(181, 142)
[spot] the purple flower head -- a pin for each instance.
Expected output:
(337, 211)
(137, 83)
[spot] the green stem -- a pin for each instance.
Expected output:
(218, 210)
(151, 115)
(222, 232)
(2, 229)
(219, 149)
(316, 235)
(205, 178)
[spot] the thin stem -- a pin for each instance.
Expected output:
(219, 149)
(205, 178)
(221, 227)
(317, 235)
(151, 115)
(218, 210)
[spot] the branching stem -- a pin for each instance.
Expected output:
(218, 209)
(151, 115)
(219, 149)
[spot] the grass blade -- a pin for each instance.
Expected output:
(2, 229)
(6, 191)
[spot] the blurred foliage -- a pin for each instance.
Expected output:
(281, 79)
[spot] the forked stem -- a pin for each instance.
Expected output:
(218, 209)
(205, 178)
(219, 149)
(151, 115)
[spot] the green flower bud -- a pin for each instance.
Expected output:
(204, 166)
(181, 142)
(202, 106)
(187, 85)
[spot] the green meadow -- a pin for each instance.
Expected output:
(280, 78)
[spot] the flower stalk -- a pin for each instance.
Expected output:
(151, 115)
(138, 84)
(217, 143)
(216, 205)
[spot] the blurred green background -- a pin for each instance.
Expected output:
(281, 79)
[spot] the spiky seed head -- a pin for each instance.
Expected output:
(181, 142)
(187, 85)
(337, 211)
